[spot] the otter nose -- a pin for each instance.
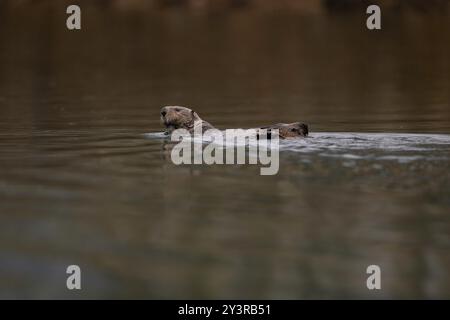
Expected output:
(163, 113)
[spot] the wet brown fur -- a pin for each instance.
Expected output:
(177, 117)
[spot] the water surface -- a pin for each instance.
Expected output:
(81, 183)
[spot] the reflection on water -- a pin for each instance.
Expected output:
(80, 183)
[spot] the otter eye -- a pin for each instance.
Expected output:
(293, 130)
(177, 109)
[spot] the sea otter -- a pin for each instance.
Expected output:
(177, 117)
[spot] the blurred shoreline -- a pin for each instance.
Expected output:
(316, 7)
(324, 67)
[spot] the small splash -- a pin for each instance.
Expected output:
(155, 135)
(210, 139)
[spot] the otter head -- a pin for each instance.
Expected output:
(177, 117)
(290, 130)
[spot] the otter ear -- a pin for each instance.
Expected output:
(194, 114)
(304, 129)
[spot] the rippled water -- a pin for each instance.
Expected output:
(81, 182)
(345, 144)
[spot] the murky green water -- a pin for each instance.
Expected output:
(81, 184)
